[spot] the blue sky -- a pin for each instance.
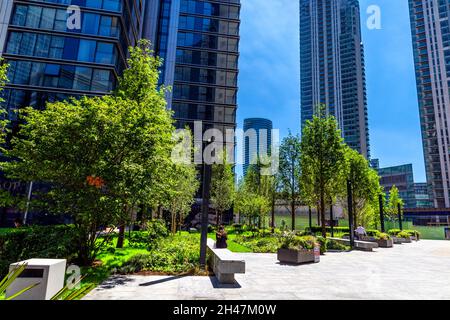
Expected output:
(269, 76)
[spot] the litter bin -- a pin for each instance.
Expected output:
(49, 273)
(447, 233)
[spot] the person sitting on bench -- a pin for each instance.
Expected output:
(360, 232)
(221, 238)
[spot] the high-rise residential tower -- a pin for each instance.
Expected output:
(258, 140)
(332, 67)
(430, 23)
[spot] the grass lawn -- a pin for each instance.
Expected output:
(6, 230)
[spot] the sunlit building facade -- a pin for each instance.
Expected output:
(430, 27)
(332, 69)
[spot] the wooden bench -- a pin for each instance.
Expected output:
(359, 245)
(224, 263)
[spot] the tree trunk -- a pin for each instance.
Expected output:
(121, 238)
(273, 214)
(217, 217)
(322, 215)
(293, 214)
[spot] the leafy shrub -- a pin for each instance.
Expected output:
(335, 245)
(323, 244)
(373, 233)
(52, 242)
(413, 233)
(172, 255)
(156, 229)
(403, 234)
(289, 240)
(383, 236)
(258, 244)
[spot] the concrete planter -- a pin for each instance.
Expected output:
(401, 240)
(293, 256)
(385, 243)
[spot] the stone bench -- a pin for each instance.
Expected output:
(224, 263)
(359, 245)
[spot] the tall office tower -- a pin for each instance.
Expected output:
(430, 21)
(332, 67)
(198, 41)
(258, 140)
(56, 50)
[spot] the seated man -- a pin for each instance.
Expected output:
(360, 232)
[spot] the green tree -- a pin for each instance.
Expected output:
(3, 81)
(222, 186)
(365, 187)
(289, 173)
(322, 161)
(393, 202)
(181, 197)
(103, 158)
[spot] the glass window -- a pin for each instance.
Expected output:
(100, 80)
(91, 23)
(14, 41)
(105, 53)
(86, 51)
(33, 17)
(82, 78)
(20, 15)
(42, 45)
(27, 44)
(48, 18)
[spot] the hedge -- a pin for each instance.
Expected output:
(52, 242)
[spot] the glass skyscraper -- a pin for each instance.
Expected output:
(258, 140)
(332, 67)
(430, 26)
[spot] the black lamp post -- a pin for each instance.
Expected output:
(205, 212)
(400, 223)
(380, 200)
(350, 213)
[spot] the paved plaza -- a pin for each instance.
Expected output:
(420, 270)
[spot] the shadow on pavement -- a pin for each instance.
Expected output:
(217, 285)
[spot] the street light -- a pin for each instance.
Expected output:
(331, 219)
(205, 212)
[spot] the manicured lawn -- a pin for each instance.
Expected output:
(232, 246)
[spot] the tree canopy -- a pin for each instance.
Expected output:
(322, 161)
(102, 157)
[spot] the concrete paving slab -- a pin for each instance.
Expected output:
(419, 270)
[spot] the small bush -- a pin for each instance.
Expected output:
(403, 234)
(335, 245)
(52, 242)
(173, 255)
(156, 229)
